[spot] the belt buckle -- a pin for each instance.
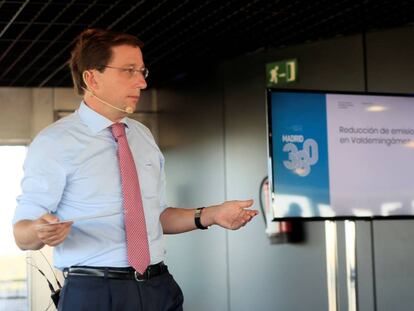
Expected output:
(140, 277)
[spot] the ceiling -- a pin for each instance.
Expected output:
(36, 36)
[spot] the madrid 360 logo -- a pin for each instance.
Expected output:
(300, 160)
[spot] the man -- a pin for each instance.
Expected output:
(97, 162)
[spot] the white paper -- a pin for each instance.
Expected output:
(79, 219)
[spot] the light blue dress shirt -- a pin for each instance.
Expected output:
(72, 170)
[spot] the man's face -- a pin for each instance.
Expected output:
(121, 86)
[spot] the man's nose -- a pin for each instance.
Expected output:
(140, 82)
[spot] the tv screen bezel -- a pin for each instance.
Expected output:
(269, 92)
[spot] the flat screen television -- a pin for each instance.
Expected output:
(340, 155)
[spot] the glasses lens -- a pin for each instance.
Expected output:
(145, 72)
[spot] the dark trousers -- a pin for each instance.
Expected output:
(160, 293)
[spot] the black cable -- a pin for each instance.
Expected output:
(50, 304)
(53, 271)
(365, 64)
(47, 280)
(374, 285)
(54, 293)
(261, 199)
(364, 46)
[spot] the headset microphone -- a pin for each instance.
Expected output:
(128, 109)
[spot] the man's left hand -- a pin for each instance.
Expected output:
(232, 214)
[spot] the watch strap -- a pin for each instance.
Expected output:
(197, 218)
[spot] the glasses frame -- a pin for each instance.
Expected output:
(131, 70)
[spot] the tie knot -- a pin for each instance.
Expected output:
(118, 130)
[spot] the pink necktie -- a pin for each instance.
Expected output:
(135, 227)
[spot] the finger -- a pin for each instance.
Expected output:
(50, 240)
(46, 236)
(60, 239)
(249, 213)
(245, 203)
(64, 233)
(66, 225)
(252, 213)
(247, 217)
(50, 218)
(53, 233)
(47, 233)
(50, 228)
(54, 242)
(57, 239)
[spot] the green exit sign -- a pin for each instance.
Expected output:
(285, 71)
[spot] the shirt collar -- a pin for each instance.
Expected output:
(94, 120)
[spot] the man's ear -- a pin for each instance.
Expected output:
(90, 81)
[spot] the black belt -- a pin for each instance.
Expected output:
(117, 273)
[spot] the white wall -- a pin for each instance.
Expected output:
(15, 119)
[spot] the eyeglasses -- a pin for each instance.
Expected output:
(131, 71)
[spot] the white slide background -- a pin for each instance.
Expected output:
(371, 179)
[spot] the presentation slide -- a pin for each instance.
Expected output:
(341, 155)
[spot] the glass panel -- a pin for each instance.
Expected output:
(13, 274)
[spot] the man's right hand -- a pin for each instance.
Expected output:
(52, 234)
(34, 234)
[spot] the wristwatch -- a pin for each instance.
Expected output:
(197, 217)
